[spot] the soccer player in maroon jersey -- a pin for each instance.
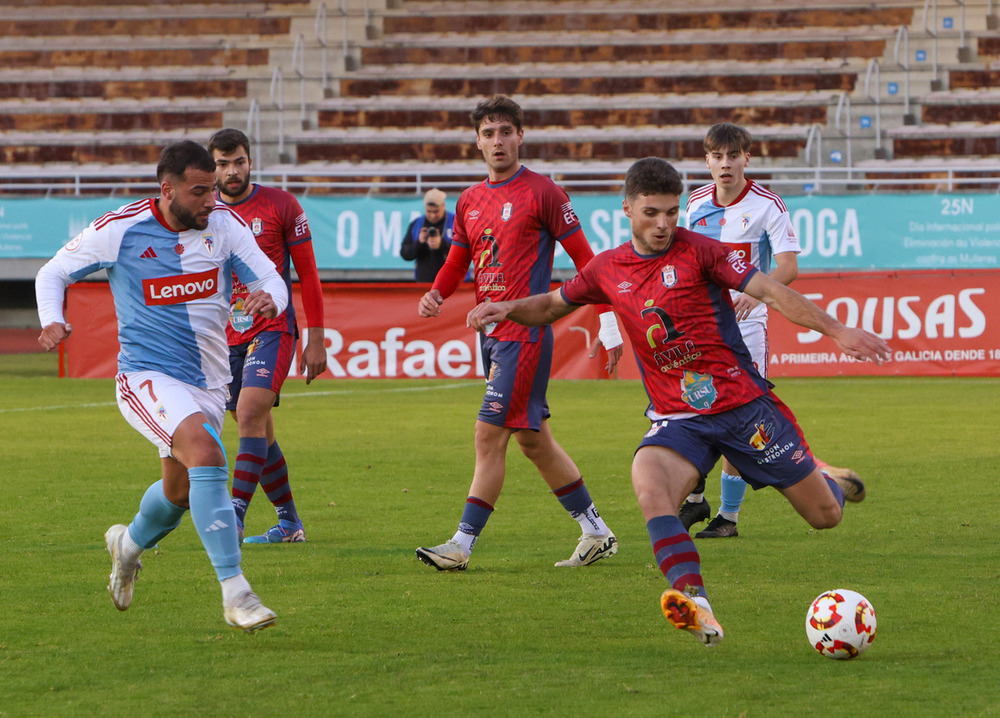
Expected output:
(508, 226)
(670, 288)
(261, 350)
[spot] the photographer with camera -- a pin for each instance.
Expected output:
(428, 238)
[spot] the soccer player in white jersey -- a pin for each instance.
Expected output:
(755, 223)
(170, 261)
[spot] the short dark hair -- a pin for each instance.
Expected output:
(652, 175)
(177, 157)
(727, 136)
(498, 107)
(228, 140)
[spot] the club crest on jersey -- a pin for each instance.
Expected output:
(508, 209)
(668, 275)
(745, 222)
(698, 390)
(257, 226)
(161, 413)
(209, 241)
(74, 244)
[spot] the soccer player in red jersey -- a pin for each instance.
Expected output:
(670, 288)
(261, 350)
(508, 226)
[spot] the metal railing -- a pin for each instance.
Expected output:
(876, 99)
(903, 40)
(299, 69)
(319, 30)
(844, 127)
(375, 179)
(278, 100)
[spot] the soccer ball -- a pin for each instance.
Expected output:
(840, 624)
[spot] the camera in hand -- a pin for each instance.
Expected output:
(432, 232)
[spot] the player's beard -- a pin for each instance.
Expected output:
(240, 189)
(186, 217)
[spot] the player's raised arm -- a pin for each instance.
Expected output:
(855, 342)
(534, 311)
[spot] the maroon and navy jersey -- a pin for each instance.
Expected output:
(676, 309)
(278, 223)
(511, 229)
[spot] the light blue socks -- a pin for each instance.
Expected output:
(214, 518)
(156, 518)
(733, 490)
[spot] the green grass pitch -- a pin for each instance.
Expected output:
(381, 467)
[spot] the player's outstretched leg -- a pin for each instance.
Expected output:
(848, 480)
(852, 486)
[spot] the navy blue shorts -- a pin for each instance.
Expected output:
(517, 377)
(262, 362)
(761, 439)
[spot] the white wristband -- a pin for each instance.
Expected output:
(609, 335)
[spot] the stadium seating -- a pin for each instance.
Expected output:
(601, 81)
(111, 82)
(594, 78)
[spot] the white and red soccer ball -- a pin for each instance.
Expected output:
(841, 624)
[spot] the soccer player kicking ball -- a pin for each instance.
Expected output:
(509, 224)
(668, 286)
(169, 262)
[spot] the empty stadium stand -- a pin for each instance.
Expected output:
(103, 85)
(109, 82)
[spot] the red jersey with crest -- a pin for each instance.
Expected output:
(279, 225)
(676, 309)
(511, 229)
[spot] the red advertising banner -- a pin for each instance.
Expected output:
(372, 331)
(937, 323)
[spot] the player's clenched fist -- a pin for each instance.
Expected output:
(53, 334)
(430, 304)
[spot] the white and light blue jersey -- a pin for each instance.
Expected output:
(171, 289)
(756, 225)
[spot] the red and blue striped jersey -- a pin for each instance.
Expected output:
(676, 310)
(511, 229)
(280, 227)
